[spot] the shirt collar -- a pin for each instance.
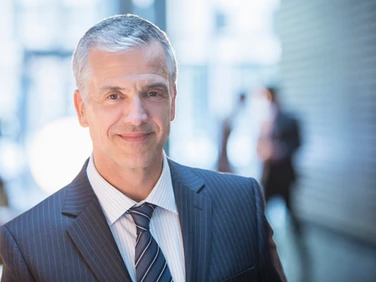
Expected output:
(114, 203)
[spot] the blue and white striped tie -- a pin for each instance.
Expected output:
(151, 265)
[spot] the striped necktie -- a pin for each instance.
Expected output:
(151, 265)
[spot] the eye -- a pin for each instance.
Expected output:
(153, 94)
(114, 96)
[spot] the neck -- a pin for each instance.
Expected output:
(134, 183)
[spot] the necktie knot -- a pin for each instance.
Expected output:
(142, 215)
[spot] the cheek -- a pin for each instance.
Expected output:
(103, 119)
(163, 115)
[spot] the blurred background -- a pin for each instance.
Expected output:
(320, 54)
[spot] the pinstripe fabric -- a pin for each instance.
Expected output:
(67, 238)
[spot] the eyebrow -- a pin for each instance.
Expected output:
(106, 88)
(156, 85)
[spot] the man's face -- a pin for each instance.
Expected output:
(129, 107)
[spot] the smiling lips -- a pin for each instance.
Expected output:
(135, 137)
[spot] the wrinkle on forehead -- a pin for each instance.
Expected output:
(150, 57)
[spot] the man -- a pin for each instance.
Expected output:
(205, 226)
(224, 164)
(278, 142)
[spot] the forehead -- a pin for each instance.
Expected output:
(146, 59)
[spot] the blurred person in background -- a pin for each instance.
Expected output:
(3, 203)
(133, 214)
(3, 195)
(279, 140)
(227, 125)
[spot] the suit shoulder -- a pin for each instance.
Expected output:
(214, 180)
(224, 176)
(47, 208)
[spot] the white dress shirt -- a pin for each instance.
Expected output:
(164, 224)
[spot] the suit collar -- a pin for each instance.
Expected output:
(90, 233)
(79, 194)
(186, 176)
(195, 213)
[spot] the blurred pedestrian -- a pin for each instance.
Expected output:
(279, 141)
(3, 195)
(227, 126)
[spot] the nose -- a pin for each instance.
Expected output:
(135, 113)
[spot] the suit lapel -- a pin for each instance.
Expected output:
(195, 220)
(90, 232)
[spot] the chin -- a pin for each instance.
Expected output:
(137, 160)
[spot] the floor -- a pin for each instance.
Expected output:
(322, 255)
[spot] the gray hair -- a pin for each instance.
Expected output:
(117, 34)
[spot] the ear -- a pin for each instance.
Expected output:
(80, 109)
(173, 102)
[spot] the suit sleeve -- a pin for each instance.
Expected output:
(269, 267)
(14, 268)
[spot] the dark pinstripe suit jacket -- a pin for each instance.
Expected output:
(66, 237)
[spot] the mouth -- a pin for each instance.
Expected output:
(135, 137)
